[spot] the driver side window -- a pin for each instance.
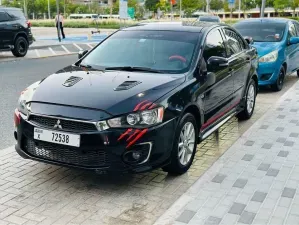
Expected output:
(214, 45)
(292, 30)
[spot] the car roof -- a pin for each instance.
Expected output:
(10, 8)
(187, 26)
(266, 20)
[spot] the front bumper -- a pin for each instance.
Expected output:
(268, 73)
(101, 151)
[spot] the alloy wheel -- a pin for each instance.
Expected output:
(250, 98)
(186, 143)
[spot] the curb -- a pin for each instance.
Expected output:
(55, 45)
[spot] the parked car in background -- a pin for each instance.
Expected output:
(277, 44)
(122, 108)
(15, 31)
(214, 19)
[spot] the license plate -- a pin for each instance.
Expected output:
(57, 137)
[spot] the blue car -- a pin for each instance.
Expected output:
(277, 44)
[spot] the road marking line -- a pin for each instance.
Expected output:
(37, 53)
(65, 49)
(52, 51)
(89, 46)
(77, 46)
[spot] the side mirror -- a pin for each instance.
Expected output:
(249, 40)
(294, 40)
(82, 53)
(217, 61)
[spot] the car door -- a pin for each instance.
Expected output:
(5, 32)
(239, 62)
(291, 50)
(217, 97)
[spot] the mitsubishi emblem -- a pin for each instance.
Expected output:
(57, 125)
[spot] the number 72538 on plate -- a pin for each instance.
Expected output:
(57, 137)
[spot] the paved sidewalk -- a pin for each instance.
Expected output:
(255, 181)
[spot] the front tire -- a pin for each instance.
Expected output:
(250, 98)
(184, 146)
(280, 80)
(20, 47)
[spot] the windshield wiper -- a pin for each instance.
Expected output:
(85, 66)
(132, 68)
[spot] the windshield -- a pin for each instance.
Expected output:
(165, 51)
(262, 32)
(209, 18)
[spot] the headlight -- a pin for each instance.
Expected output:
(270, 57)
(22, 107)
(138, 119)
(25, 97)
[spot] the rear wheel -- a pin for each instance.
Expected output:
(184, 147)
(249, 101)
(20, 47)
(280, 80)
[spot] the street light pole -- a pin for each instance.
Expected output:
(180, 9)
(263, 8)
(25, 9)
(239, 9)
(49, 11)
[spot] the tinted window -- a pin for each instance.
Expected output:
(16, 14)
(167, 51)
(297, 28)
(209, 19)
(214, 45)
(262, 32)
(234, 42)
(4, 17)
(292, 30)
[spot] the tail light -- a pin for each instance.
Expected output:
(28, 24)
(17, 118)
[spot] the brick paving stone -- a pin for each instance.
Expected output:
(237, 208)
(288, 192)
(258, 196)
(186, 216)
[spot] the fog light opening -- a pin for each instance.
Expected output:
(136, 155)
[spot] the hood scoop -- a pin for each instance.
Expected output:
(127, 85)
(71, 81)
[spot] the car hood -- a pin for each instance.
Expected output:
(263, 48)
(116, 92)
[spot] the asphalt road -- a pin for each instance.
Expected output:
(14, 78)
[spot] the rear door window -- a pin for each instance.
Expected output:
(4, 17)
(235, 44)
(16, 14)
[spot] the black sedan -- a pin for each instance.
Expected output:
(142, 99)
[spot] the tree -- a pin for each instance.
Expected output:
(191, 6)
(163, 5)
(151, 5)
(216, 5)
(280, 5)
(294, 4)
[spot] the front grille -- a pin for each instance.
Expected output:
(69, 125)
(66, 154)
